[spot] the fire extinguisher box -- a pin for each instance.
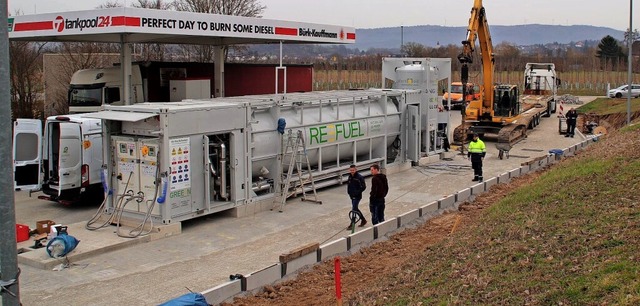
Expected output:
(22, 232)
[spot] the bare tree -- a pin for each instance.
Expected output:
(633, 35)
(413, 49)
(247, 8)
(151, 52)
(153, 4)
(109, 4)
(26, 85)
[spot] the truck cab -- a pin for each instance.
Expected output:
(473, 93)
(91, 88)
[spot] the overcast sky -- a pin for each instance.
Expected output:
(392, 13)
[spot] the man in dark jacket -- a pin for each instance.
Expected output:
(379, 189)
(355, 187)
(572, 117)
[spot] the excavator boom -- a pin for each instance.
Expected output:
(478, 29)
(498, 109)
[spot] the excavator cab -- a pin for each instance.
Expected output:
(505, 101)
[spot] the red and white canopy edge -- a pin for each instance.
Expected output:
(128, 25)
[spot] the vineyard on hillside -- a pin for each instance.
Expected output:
(573, 82)
(581, 70)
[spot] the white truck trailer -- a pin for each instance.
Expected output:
(176, 161)
(540, 85)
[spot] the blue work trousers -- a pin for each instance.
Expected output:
(354, 207)
(376, 207)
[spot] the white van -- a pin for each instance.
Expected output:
(66, 160)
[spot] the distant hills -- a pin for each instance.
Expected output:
(523, 35)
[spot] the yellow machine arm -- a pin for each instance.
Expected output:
(505, 118)
(479, 29)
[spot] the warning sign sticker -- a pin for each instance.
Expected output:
(180, 166)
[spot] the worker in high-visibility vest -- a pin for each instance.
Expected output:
(477, 151)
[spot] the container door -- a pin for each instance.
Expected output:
(27, 153)
(70, 152)
(413, 133)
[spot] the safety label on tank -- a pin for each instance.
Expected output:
(180, 163)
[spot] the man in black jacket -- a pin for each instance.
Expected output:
(355, 187)
(379, 189)
(572, 117)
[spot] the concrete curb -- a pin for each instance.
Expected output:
(332, 248)
(381, 229)
(409, 217)
(446, 202)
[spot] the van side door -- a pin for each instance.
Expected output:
(70, 156)
(27, 154)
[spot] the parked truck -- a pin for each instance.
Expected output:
(457, 93)
(173, 81)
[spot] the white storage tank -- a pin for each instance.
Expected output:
(339, 127)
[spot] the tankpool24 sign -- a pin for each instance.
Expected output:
(143, 21)
(61, 24)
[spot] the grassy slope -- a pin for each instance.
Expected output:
(572, 236)
(606, 106)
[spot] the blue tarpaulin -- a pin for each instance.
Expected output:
(189, 299)
(61, 245)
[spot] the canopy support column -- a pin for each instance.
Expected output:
(125, 68)
(218, 59)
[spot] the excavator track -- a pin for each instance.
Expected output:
(509, 136)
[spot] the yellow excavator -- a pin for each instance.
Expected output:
(498, 109)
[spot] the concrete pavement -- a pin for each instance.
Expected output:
(211, 248)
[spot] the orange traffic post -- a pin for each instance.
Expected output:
(336, 262)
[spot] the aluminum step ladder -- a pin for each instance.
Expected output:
(294, 154)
